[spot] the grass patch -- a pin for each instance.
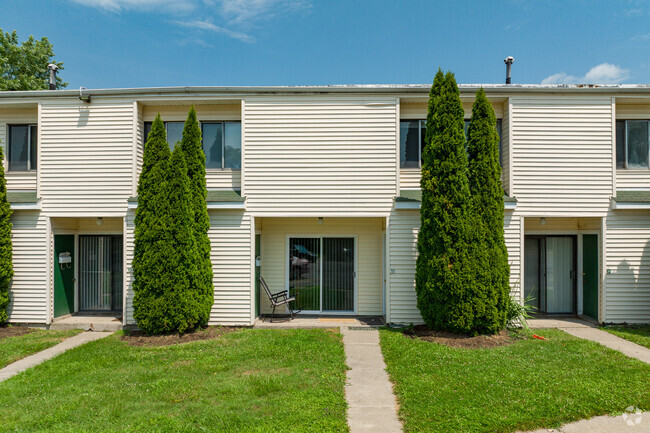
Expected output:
(17, 347)
(523, 386)
(250, 380)
(639, 334)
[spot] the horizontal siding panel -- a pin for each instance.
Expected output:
(28, 291)
(561, 155)
(86, 158)
(627, 294)
(320, 154)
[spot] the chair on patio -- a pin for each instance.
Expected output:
(278, 299)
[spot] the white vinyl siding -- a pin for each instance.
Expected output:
(627, 293)
(320, 155)
(562, 155)
(368, 233)
(403, 248)
(129, 239)
(230, 237)
(409, 178)
(28, 290)
(17, 116)
(86, 159)
(505, 149)
(404, 227)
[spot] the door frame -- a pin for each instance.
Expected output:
(356, 272)
(578, 257)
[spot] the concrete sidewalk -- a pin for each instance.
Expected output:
(633, 422)
(42, 356)
(372, 406)
(588, 331)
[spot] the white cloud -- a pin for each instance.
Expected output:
(248, 11)
(605, 73)
(208, 26)
(124, 5)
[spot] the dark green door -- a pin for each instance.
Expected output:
(258, 259)
(590, 275)
(63, 275)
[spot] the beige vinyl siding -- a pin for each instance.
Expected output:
(138, 145)
(409, 178)
(403, 249)
(230, 237)
(418, 110)
(404, 227)
(627, 287)
(28, 290)
(562, 224)
(320, 156)
(17, 116)
(369, 245)
(505, 148)
(562, 155)
(86, 157)
(129, 239)
(215, 179)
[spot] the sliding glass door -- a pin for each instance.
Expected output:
(100, 273)
(322, 274)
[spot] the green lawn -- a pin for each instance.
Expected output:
(527, 385)
(14, 348)
(245, 381)
(639, 334)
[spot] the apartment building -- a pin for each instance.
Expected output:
(317, 190)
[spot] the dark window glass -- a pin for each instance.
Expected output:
(23, 151)
(212, 144)
(409, 144)
(147, 130)
(637, 144)
(232, 145)
(620, 144)
(174, 133)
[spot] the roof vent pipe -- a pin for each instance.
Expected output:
(52, 68)
(508, 61)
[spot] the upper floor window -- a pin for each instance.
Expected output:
(632, 144)
(22, 152)
(412, 134)
(221, 142)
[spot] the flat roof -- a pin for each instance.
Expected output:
(391, 89)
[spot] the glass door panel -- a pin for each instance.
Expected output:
(338, 274)
(304, 272)
(559, 274)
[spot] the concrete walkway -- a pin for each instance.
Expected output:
(42, 356)
(586, 330)
(633, 422)
(372, 406)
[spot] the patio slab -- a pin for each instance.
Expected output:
(626, 423)
(87, 322)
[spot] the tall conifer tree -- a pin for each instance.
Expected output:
(492, 289)
(195, 159)
(6, 266)
(444, 269)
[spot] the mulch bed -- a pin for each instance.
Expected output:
(139, 338)
(422, 332)
(14, 331)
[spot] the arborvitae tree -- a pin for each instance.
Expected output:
(165, 256)
(195, 159)
(492, 289)
(6, 266)
(444, 269)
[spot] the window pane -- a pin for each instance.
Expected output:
(466, 128)
(18, 148)
(33, 148)
(637, 143)
(409, 144)
(620, 144)
(174, 133)
(423, 134)
(147, 130)
(233, 145)
(212, 144)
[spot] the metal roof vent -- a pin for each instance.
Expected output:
(508, 61)
(52, 68)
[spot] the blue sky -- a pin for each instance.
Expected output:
(143, 43)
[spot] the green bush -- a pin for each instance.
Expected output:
(165, 255)
(491, 296)
(6, 266)
(195, 159)
(445, 268)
